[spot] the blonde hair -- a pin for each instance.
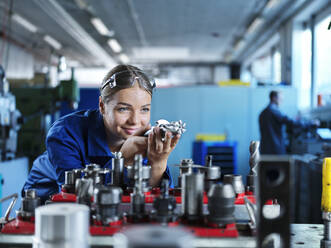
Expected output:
(106, 92)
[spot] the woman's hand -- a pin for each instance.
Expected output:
(132, 146)
(158, 152)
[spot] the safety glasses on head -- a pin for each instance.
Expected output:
(126, 79)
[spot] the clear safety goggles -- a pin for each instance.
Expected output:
(126, 79)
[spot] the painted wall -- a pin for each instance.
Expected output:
(212, 109)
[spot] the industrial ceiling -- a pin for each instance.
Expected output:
(148, 31)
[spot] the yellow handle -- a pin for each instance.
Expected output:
(326, 185)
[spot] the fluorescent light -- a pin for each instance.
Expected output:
(51, 41)
(25, 23)
(255, 25)
(100, 26)
(271, 4)
(124, 58)
(114, 45)
(239, 44)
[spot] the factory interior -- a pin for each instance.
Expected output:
(165, 123)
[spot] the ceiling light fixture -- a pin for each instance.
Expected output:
(100, 26)
(255, 25)
(74, 30)
(25, 23)
(271, 4)
(239, 44)
(124, 58)
(51, 41)
(114, 45)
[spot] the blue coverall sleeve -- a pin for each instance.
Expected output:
(63, 150)
(284, 119)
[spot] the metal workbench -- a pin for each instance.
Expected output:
(302, 235)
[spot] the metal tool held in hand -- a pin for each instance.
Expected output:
(175, 127)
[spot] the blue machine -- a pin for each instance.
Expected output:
(224, 154)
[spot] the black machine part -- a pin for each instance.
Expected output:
(70, 180)
(164, 205)
(117, 175)
(221, 204)
(138, 197)
(106, 202)
(29, 203)
(274, 182)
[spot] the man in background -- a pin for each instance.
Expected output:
(272, 121)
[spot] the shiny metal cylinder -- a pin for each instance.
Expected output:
(146, 172)
(186, 167)
(61, 226)
(236, 181)
(117, 176)
(213, 173)
(70, 178)
(154, 236)
(192, 195)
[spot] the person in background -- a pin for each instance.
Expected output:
(272, 121)
(91, 136)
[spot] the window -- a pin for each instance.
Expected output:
(302, 65)
(261, 69)
(276, 67)
(323, 57)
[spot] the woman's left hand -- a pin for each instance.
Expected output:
(158, 152)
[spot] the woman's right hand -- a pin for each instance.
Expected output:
(132, 146)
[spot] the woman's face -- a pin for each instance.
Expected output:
(128, 112)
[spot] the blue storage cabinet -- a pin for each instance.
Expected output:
(224, 154)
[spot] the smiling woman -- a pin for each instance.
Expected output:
(91, 136)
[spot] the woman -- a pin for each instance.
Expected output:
(91, 136)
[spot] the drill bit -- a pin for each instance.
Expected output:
(254, 156)
(253, 162)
